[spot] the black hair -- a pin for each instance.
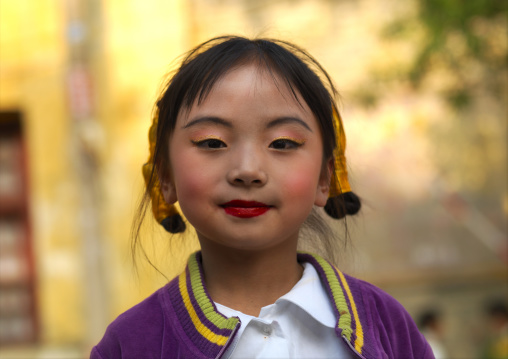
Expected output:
(203, 66)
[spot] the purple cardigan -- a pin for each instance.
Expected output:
(181, 321)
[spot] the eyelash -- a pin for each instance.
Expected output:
(209, 143)
(216, 143)
(287, 141)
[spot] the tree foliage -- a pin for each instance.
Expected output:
(467, 38)
(459, 53)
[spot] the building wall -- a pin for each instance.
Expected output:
(127, 57)
(33, 58)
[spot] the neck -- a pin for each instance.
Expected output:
(249, 280)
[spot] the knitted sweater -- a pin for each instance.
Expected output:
(180, 320)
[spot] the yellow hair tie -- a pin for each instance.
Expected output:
(341, 200)
(166, 214)
(339, 182)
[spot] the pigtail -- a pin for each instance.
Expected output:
(342, 201)
(165, 213)
(343, 205)
(173, 223)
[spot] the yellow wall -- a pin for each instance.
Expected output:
(133, 50)
(33, 58)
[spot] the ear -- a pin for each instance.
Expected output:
(323, 188)
(168, 189)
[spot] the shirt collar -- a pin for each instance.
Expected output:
(210, 330)
(310, 295)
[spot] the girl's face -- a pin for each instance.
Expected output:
(247, 163)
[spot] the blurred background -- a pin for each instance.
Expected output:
(424, 88)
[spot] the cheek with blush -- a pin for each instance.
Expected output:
(194, 178)
(190, 183)
(186, 178)
(300, 184)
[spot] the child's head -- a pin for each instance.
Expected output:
(288, 69)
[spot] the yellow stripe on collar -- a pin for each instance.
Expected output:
(200, 327)
(359, 330)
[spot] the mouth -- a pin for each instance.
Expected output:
(245, 209)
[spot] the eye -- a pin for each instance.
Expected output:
(286, 144)
(209, 143)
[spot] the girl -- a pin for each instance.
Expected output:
(247, 138)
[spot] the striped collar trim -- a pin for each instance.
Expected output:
(344, 305)
(210, 331)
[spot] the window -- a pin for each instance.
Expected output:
(17, 304)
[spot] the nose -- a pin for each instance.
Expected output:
(247, 169)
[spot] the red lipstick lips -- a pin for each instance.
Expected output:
(245, 209)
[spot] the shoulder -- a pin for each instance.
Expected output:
(136, 332)
(384, 319)
(374, 298)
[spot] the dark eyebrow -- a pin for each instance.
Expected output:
(210, 119)
(285, 120)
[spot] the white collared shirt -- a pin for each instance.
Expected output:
(300, 324)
